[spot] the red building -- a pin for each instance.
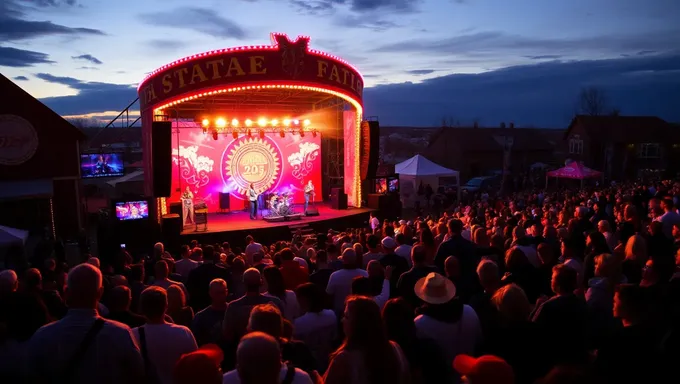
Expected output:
(39, 165)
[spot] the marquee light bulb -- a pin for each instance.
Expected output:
(262, 122)
(249, 123)
(205, 123)
(275, 123)
(220, 123)
(286, 122)
(306, 122)
(296, 122)
(234, 123)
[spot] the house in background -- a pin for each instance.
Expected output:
(485, 151)
(624, 147)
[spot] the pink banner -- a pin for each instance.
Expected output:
(351, 159)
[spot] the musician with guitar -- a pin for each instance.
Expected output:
(309, 192)
(252, 197)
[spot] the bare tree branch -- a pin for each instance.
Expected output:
(592, 101)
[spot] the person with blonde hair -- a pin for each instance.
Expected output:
(635, 257)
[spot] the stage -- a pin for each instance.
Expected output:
(234, 226)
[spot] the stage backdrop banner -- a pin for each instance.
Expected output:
(350, 164)
(273, 163)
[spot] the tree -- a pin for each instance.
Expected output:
(84, 122)
(449, 122)
(592, 101)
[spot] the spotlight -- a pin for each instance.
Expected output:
(306, 123)
(205, 123)
(314, 133)
(296, 122)
(262, 122)
(274, 123)
(235, 135)
(214, 135)
(302, 133)
(220, 123)
(249, 123)
(286, 122)
(261, 134)
(282, 133)
(250, 134)
(234, 123)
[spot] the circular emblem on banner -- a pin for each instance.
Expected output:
(18, 140)
(252, 160)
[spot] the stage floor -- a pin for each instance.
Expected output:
(240, 220)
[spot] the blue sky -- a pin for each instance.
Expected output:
(424, 60)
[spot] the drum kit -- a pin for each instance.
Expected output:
(281, 204)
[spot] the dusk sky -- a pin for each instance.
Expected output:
(423, 60)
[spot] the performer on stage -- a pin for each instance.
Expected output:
(252, 196)
(187, 193)
(188, 207)
(309, 192)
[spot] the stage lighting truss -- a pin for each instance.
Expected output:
(261, 126)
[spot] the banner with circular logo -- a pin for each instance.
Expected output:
(18, 140)
(251, 160)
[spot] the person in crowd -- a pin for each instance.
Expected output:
(161, 343)
(292, 272)
(207, 324)
(490, 280)
(178, 310)
(454, 326)
(464, 251)
(137, 286)
(317, 327)
(200, 366)
(374, 252)
(119, 308)
(252, 248)
(366, 355)
(376, 285)
(486, 369)
(600, 294)
(185, 265)
(273, 278)
(201, 276)
(635, 258)
(403, 248)
(407, 281)
(340, 282)
(398, 263)
(83, 347)
(604, 227)
(322, 271)
(161, 276)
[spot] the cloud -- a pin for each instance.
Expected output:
(51, 3)
(420, 72)
(91, 96)
(393, 5)
(89, 58)
(12, 29)
(544, 57)
(89, 68)
(166, 44)
(541, 94)
(501, 45)
(20, 78)
(18, 58)
(316, 7)
(203, 20)
(365, 21)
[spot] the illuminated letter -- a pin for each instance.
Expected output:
(334, 74)
(167, 83)
(235, 66)
(256, 63)
(196, 71)
(179, 74)
(213, 64)
(353, 83)
(322, 67)
(150, 93)
(345, 72)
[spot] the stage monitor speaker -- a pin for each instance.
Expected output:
(312, 211)
(377, 201)
(161, 157)
(171, 227)
(175, 208)
(224, 201)
(339, 201)
(370, 148)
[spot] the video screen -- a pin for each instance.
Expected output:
(101, 165)
(381, 186)
(393, 185)
(132, 210)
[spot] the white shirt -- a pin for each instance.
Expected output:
(384, 295)
(165, 344)
(251, 250)
(453, 338)
(375, 223)
(404, 251)
(301, 377)
(291, 307)
(184, 267)
(340, 286)
(318, 331)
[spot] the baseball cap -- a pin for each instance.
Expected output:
(389, 243)
(200, 366)
(486, 369)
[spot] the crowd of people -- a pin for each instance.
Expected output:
(576, 286)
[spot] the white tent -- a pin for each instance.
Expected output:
(10, 236)
(132, 176)
(419, 169)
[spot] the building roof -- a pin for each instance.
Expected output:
(625, 129)
(492, 139)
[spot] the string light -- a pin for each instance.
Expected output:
(249, 123)
(262, 122)
(234, 123)
(220, 123)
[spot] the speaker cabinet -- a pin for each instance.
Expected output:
(161, 157)
(171, 227)
(338, 200)
(224, 201)
(370, 148)
(312, 211)
(377, 201)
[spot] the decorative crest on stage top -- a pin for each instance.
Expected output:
(292, 53)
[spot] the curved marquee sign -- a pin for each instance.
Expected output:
(284, 62)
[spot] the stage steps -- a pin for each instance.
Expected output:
(306, 230)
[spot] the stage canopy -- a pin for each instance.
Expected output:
(419, 169)
(575, 171)
(10, 236)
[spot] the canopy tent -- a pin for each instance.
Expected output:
(417, 170)
(575, 171)
(11, 236)
(132, 176)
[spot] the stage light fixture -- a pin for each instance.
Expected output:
(220, 123)
(302, 133)
(262, 122)
(250, 134)
(205, 123)
(286, 122)
(296, 122)
(249, 123)
(306, 123)
(282, 133)
(235, 135)
(234, 123)
(261, 134)
(214, 135)
(275, 123)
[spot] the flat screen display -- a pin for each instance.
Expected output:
(101, 165)
(132, 210)
(393, 185)
(381, 186)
